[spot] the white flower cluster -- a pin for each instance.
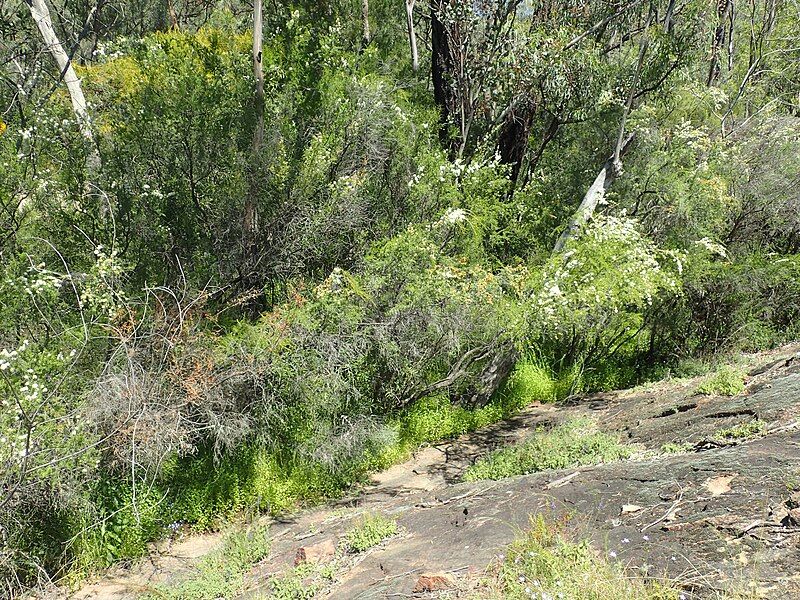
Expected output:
(39, 279)
(9, 357)
(713, 247)
(453, 216)
(31, 390)
(148, 191)
(101, 290)
(610, 269)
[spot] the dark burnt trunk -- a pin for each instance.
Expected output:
(512, 141)
(442, 70)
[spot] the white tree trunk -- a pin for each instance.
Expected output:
(594, 195)
(250, 217)
(365, 21)
(412, 35)
(613, 166)
(41, 15)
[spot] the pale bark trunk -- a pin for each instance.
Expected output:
(41, 16)
(365, 21)
(250, 217)
(412, 35)
(613, 166)
(595, 195)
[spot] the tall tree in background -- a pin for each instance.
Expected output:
(723, 31)
(41, 16)
(365, 33)
(412, 35)
(470, 45)
(250, 218)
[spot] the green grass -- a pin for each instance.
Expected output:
(544, 564)
(547, 565)
(676, 448)
(576, 442)
(725, 381)
(204, 493)
(219, 575)
(742, 431)
(435, 418)
(303, 582)
(531, 381)
(369, 531)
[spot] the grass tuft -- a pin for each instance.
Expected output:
(219, 575)
(544, 563)
(369, 531)
(725, 381)
(576, 442)
(742, 431)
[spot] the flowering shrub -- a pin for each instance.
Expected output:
(590, 301)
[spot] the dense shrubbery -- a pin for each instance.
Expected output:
(163, 366)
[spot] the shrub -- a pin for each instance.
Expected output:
(588, 305)
(569, 444)
(219, 575)
(726, 381)
(369, 531)
(729, 304)
(545, 561)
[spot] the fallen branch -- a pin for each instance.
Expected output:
(562, 481)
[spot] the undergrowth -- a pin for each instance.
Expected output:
(202, 493)
(544, 564)
(725, 381)
(573, 443)
(219, 575)
(369, 531)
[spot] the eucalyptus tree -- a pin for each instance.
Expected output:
(41, 16)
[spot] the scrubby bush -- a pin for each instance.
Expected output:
(590, 304)
(725, 381)
(163, 364)
(369, 531)
(569, 444)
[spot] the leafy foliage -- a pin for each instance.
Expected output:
(161, 361)
(370, 531)
(726, 381)
(569, 444)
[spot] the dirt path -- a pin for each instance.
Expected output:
(721, 514)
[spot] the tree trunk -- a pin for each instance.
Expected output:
(412, 35)
(494, 374)
(442, 66)
(512, 140)
(594, 195)
(718, 40)
(250, 217)
(365, 34)
(41, 15)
